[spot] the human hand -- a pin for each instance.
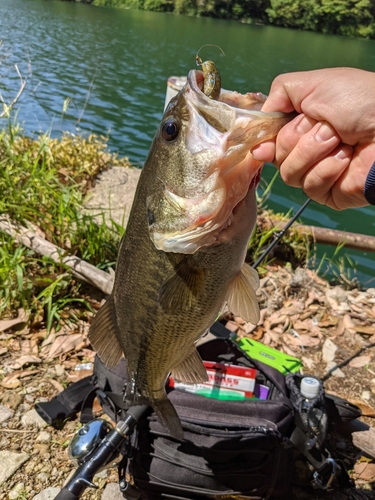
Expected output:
(329, 148)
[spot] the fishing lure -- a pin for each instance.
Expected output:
(212, 79)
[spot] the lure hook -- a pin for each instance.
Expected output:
(212, 79)
(198, 60)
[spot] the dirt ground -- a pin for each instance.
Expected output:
(301, 315)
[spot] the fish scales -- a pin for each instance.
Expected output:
(182, 256)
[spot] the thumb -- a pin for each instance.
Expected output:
(265, 152)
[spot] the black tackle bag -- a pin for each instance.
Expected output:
(231, 449)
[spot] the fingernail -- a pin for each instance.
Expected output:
(254, 153)
(304, 126)
(342, 154)
(324, 133)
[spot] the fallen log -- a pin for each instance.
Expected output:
(362, 435)
(365, 441)
(81, 269)
(327, 236)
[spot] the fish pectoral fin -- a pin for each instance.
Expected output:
(191, 370)
(251, 275)
(242, 300)
(181, 289)
(103, 335)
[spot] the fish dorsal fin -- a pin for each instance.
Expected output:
(191, 370)
(103, 335)
(182, 287)
(242, 300)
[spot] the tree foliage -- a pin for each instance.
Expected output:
(342, 17)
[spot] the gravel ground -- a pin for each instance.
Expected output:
(323, 325)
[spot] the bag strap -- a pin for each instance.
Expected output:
(67, 403)
(111, 401)
(326, 468)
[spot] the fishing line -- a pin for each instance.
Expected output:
(279, 234)
(347, 360)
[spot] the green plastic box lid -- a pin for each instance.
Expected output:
(270, 356)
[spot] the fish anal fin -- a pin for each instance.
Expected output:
(191, 370)
(242, 299)
(166, 412)
(103, 335)
(182, 287)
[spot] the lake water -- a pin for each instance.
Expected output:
(110, 67)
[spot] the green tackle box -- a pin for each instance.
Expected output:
(270, 356)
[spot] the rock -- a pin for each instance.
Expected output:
(43, 437)
(23, 408)
(366, 395)
(10, 462)
(42, 477)
(31, 390)
(336, 373)
(41, 448)
(343, 307)
(112, 492)
(114, 193)
(329, 351)
(337, 293)
(11, 399)
(308, 362)
(32, 418)
(59, 370)
(49, 494)
(102, 474)
(5, 413)
(19, 487)
(18, 492)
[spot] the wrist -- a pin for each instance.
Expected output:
(369, 188)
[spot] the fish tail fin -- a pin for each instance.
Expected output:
(168, 416)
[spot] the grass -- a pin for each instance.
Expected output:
(43, 182)
(293, 247)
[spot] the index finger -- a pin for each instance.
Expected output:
(289, 90)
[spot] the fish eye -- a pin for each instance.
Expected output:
(170, 130)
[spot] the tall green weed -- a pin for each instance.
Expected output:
(43, 182)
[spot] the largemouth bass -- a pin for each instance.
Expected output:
(182, 256)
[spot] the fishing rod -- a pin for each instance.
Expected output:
(279, 234)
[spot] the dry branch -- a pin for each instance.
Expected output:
(329, 236)
(81, 269)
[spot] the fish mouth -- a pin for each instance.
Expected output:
(223, 132)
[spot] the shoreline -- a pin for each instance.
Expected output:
(344, 19)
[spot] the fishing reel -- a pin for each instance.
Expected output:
(87, 439)
(94, 447)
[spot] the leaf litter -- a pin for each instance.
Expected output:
(301, 315)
